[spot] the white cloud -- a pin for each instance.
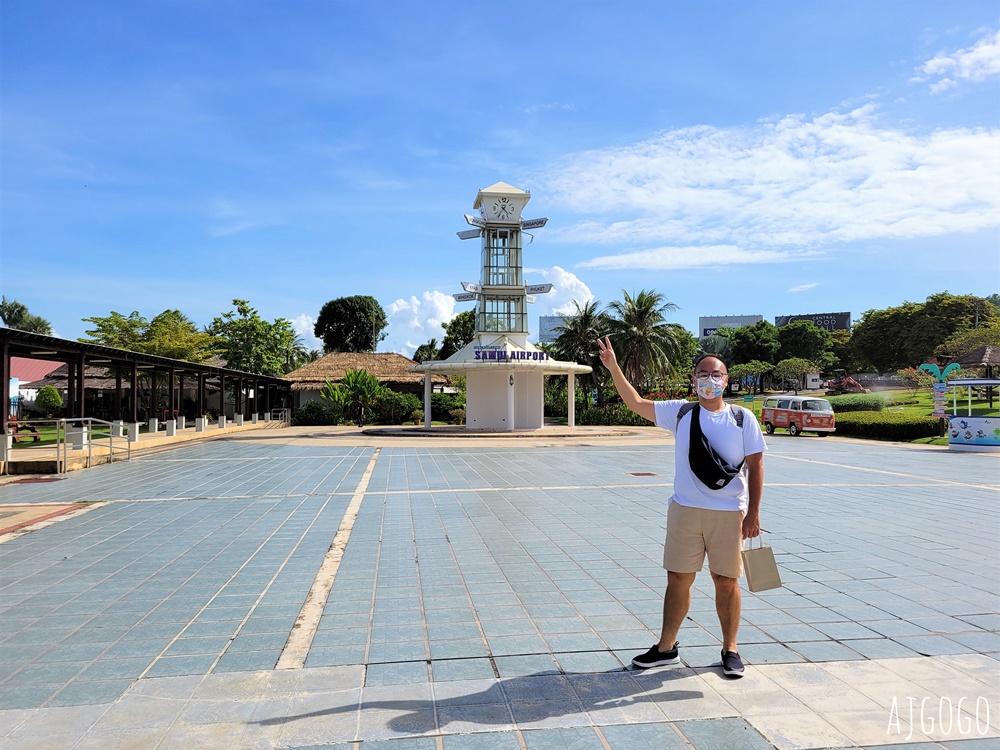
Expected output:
(782, 187)
(414, 321)
(304, 325)
(804, 287)
(567, 288)
(699, 256)
(975, 64)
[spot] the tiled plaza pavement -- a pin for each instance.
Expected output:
(489, 597)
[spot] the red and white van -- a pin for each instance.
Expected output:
(798, 414)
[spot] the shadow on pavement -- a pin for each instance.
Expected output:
(548, 695)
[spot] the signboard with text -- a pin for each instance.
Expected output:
(837, 321)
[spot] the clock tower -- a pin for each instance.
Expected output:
(504, 371)
(502, 299)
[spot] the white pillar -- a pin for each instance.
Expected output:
(181, 423)
(222, 421)
(427, 399)
(510, 401)
(239, 420)
(171, 426)
(154, 426)
(571, 406)
(199, 424)
(133, 432)
(118, 428)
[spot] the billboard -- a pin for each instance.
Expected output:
(707, 325)
(837, 321)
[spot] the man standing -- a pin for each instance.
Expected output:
(701, 518)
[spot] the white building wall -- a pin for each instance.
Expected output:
(485, 403)
(528, 400)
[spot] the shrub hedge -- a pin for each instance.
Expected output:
(442, 405)
(857, 402)
(611, 414)
(391, 407)
(888, 425)
(314, 413)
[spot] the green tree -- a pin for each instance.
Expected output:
(804, 339)
(172, 334)
(755, 342)
(970, 339)
(169, 334)
(750, 375)
(909, 334)
(351, 324)
(878, 339)
(15, 315)
(48, 400)
(717, 343)
(941, 317)
(458, 332)
(914, 379)
(577, 342)
(118, 331)
(251, 344)
(794, 369)
(427, 351)
(842, 351)
(647, 346)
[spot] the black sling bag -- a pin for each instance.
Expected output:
(711, 468)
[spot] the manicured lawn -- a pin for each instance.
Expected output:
(47, 436)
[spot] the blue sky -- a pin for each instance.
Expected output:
(773, 158)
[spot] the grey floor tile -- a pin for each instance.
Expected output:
(660, 736)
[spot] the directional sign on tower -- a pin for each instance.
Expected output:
(538, 289)
(534, 223)
(470, 287)
(465, 297)
(475, 221)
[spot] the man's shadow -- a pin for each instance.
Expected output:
(549, 695)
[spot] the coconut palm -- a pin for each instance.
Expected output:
(427, 351)
(645, 343)
(577, 341)
(716, 344)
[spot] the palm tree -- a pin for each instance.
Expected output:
(645, 343)
(715, 344)
(577, 341)
(296, 354)
(427, 351)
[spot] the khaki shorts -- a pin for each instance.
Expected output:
(693, 532)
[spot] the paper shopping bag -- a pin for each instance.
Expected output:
(760, 568)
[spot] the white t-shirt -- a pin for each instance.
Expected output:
(725, 437)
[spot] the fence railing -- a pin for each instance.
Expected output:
(81, 435)
(281, 415)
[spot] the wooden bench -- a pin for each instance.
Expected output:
(16, 428)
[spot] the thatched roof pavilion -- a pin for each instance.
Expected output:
(391, 369)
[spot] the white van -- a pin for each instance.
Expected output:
(798, 414)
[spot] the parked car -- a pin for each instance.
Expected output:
(798, 414)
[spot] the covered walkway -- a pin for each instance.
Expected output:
(251, 394)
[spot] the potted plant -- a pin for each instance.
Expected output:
(417, 416)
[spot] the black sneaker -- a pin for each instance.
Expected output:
(656, 658)
(732, 664)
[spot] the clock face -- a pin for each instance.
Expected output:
(503, 208)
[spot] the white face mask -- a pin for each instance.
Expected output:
(710, 387)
